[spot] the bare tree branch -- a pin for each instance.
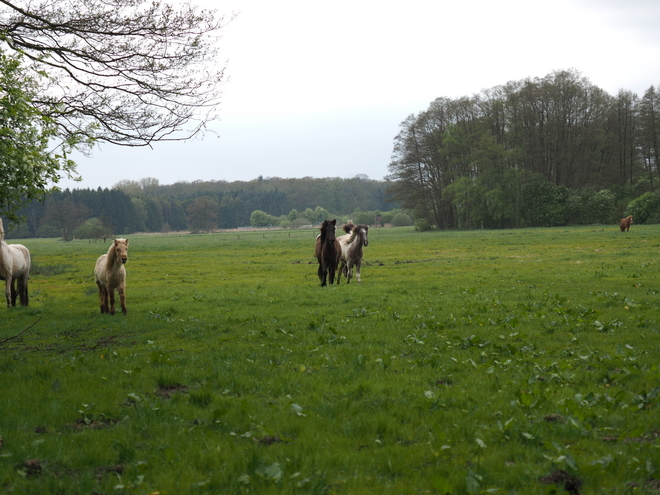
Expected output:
(128, 72)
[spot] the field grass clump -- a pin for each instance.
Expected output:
(521, 361)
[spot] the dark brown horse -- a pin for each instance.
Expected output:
(352, 250)
(327, 250)
(625, 223)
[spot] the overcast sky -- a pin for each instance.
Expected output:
(319, 89)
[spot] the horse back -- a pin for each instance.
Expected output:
(20, 258)
(100, 271)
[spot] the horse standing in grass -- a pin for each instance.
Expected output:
(327, 250)
(14, 270)
(352, 250)
(625, 223)
(110, 275)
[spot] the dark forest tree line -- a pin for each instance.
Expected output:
(536, 152)
(147, 206)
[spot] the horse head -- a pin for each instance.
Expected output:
(363, 231)
(121, 250)
(329, 227)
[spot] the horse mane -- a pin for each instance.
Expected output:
(111, 259)
(353, 231)
(324, 231)
(348, 227)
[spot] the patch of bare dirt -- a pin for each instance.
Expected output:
(269, 440)
(32, 467)
(102, 471)
(554, 418)
(168, 391)
(561, 478)
(96, 424)
(649, 437)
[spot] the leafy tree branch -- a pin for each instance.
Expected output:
(128, 72)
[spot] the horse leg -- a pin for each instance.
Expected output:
(26, 293)
(122, 298)
(349, 271)
(358, 264)
(342, 265)
(111, 296)
(323, 269)
(8, 290)
(103, 298)
(14, 292)
(331, 272)
(23, 290)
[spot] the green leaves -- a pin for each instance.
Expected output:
(28, 164)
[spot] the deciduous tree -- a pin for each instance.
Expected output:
(203, 214)
(128, 72)
(27, 163)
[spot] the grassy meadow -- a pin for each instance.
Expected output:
(509, 362)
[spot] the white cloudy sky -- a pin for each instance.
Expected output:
(319, 88)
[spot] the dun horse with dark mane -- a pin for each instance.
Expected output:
(352, 250)
(327, 250)
(110, 275)
(14, 270)
(625, 223)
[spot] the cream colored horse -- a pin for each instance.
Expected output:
(14, 268)
(110, 275)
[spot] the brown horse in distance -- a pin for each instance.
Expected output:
(327, 250)
(625, 223)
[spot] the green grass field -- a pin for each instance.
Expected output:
(510, 362)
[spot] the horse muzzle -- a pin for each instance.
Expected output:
(124, 260)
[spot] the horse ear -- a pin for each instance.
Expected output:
(126, 242)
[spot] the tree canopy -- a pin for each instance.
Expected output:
(26, 164)
(127, 72)
(536, 152)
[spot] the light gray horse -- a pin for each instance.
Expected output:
(352, 249)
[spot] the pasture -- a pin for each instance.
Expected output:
(510, 362)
